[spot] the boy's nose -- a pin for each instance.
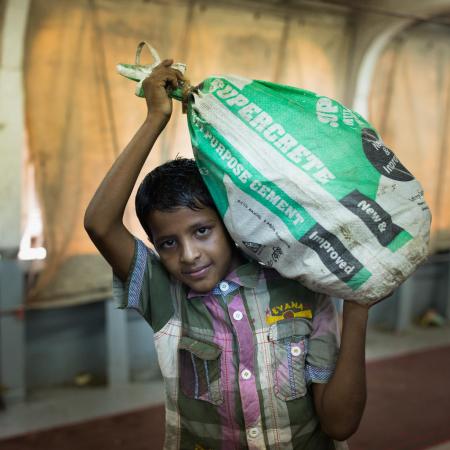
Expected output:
(189, 252)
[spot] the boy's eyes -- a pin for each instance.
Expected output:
(203, 231)
(171, 243)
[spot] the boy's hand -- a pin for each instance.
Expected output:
(366, 305)
(155, 89)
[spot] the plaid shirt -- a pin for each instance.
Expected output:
(238, 361)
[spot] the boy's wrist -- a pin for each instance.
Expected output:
(351, 308)
(157, 119)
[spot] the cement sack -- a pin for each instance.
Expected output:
(307, 186)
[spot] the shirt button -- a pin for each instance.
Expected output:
(246, 374)
(223, 286)
(295, 351)
(253, 432)
(237, 315)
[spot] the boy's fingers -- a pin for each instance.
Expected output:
(179, 75)
(162, 79)
(171, 75)
(173, 81)
(167, 64)
(164, 75)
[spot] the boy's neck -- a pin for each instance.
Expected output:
(238, 259)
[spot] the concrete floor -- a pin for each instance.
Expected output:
(48, 408)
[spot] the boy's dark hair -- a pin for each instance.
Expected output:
(173, 184)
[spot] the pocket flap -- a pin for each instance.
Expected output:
(204, 350)
(289, 327)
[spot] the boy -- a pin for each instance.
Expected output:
(249, 359)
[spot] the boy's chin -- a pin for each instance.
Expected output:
(204, 285)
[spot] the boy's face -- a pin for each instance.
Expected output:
(193, 245)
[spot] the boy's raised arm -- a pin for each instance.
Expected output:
(340, 402)
(103, 219)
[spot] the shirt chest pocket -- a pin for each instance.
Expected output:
(289, 346)
(200, 370)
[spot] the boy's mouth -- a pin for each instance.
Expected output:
(197, 272)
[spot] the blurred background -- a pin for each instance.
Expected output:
(74, 371)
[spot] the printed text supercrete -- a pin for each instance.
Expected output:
(274, 133)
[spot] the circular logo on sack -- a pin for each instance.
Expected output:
(382, 158)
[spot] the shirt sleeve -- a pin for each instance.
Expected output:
(147, 288)
(323, 345)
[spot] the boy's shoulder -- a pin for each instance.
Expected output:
(274, 278)
(269, 281)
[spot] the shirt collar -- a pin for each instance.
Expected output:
(246, 275)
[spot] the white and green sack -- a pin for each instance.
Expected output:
(306, 186)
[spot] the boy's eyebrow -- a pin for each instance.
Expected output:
(202, 223)
(164, 238)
